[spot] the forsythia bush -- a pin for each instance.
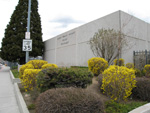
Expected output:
(119, 62)
(49, 65)
(37, 63)
(23, 67)
(97, 65)
(29, 71)
(130, 65)
(118, 82)
(147, 70)
(29, 78)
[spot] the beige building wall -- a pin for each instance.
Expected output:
(72, 49)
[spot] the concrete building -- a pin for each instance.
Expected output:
(72, 49)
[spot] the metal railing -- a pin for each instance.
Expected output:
(141, 58)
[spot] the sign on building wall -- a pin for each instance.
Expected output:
(66, 39)
(27, 45)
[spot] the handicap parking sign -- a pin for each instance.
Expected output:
(27, 45)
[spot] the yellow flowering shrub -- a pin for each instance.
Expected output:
(49, 65)
(97, 65)
(118, 82)
(29, 78)
(119, 62)
(147, 70)
(23, 67)
(130, 65)
(37, 63)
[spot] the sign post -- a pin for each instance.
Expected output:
(28, 30)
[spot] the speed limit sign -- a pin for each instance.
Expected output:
(27, 45)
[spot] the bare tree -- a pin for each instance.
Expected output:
(105, 44)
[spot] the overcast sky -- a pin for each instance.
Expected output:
(58, 16)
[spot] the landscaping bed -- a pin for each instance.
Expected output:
(110, 107)
(56, 81)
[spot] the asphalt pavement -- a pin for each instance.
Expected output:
(8, 102)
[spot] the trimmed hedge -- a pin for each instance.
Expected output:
(69, 100)
(142, 89)
(63, 77)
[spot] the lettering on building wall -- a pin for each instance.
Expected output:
(65, 39)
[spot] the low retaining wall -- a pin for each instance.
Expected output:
(21, 103)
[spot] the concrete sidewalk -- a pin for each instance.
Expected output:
(8, 102)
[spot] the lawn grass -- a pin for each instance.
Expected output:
(114, 107)
(15, 73)
(81, 67)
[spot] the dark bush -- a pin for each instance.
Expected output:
(142, 89)
(143, 72)
(63, 77)
(138, 73)
(69, 100)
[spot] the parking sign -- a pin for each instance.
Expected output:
(27, 45)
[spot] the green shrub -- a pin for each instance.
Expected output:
(130, 65)
(63, 77)
(97, 65)
(138, 73)
(119, 62)
(142, 89)
(79, 67)
(118, 82)
(143, 72)
(147, 70)
(69, 100)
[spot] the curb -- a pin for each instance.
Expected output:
(21, 103)
(142, 109)
(13, 79)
